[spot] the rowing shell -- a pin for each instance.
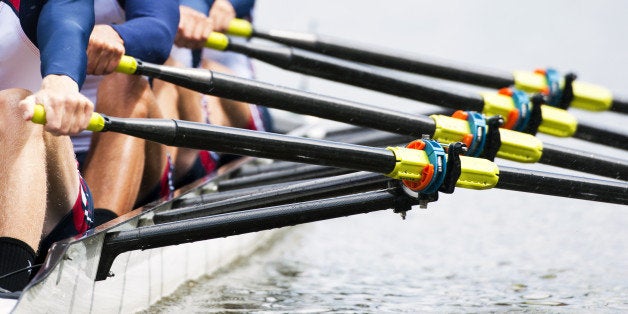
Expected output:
(66, 283)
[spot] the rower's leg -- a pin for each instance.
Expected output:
(179, 103)
(115, 162)
(154, 156)
(23, 168)
(39, 174)
(63, 179)
(69, 209)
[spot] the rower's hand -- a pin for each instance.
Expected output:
(194, 28)
(104, 51)
(221, 14)
(67, 111)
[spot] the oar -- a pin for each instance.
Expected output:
(218, 226)
(302, 172)
(228, 224)
(363, 181)
(358, 135)
(422, 166)
(585, 95)
(205, 198)
(345, 184)
(514, 145)
(513, 105)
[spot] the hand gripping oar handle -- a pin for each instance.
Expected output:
(96, 122)
(396, 162)
(585, 95)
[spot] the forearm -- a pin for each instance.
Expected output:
(242, 8)
(201, 6)
(149, 31)
(62, 38)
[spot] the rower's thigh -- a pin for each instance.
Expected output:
(62, 175)
(10, 115)
(122, 95)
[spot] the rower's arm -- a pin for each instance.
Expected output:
(242, 7)
(62, 36)
(149, 30)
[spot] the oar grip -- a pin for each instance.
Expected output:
(217, 41)
(240, 27)
(96, 122)
(127, 65)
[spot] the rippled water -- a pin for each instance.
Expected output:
(471, 251)
(545, 257)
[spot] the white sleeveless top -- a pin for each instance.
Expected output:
(106, 12)
(19, 58)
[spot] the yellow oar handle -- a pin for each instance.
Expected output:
(240, 27)
(96, 122)
(127, 65)
(217, 41)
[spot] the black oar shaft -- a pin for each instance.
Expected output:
(249, 170)
(320, 106)
(292, 100)
(412, 63)
(607, 137)
(374, 138)
(619, 105)
(299, 173)
(562, 185)
(579, 160)
(230, 224)
(401, 123)
(357, 75)
(256, 144)
(206, 198)
(377, 56)
(326, 187)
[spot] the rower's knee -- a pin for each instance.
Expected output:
(124, 95)
(13, 125)
(9, 103)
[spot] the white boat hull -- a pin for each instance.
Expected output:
(66, 283)
(140, 279)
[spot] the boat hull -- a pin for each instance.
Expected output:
(66, 282)
(140, 279)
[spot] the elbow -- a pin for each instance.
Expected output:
(163, 45)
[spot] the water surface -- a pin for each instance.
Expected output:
(473, 251)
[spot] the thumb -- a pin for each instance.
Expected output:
(27, 105)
